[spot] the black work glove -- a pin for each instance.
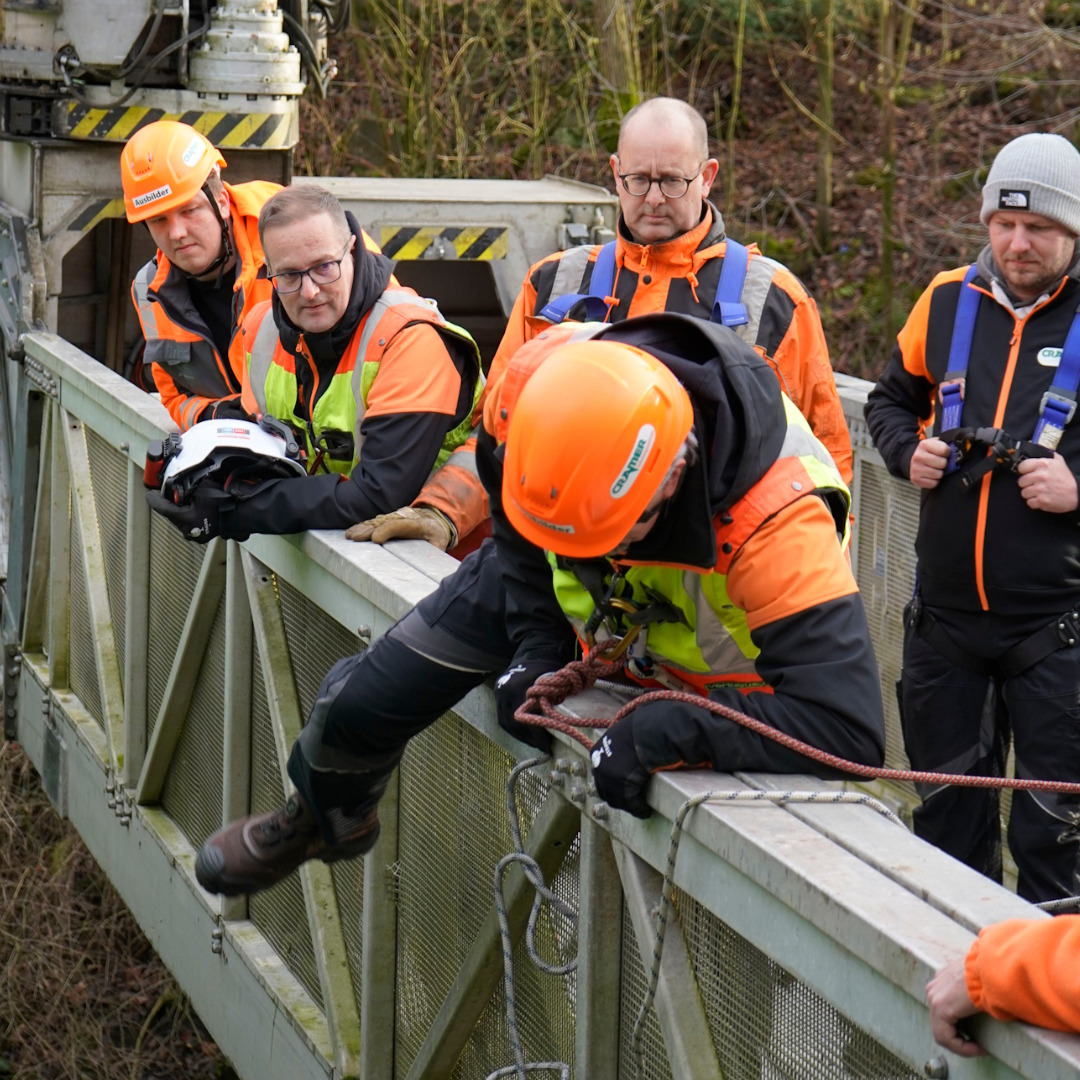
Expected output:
(510, 690)
(198, 520)
(619, 775)
(224, 409)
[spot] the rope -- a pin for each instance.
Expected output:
(533, 873)
(542, 698)
(540, 709)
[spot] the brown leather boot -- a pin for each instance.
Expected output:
(256, 852)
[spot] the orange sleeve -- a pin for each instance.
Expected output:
(791, 563)
(416, 374)
(456, 490)
(1024, 969)
(172, 397)
(802, 365)
(515, 335)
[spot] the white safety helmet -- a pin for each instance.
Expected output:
(237, 454)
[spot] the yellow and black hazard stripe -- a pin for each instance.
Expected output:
(95, 212)
(468, 241)
(226, 130)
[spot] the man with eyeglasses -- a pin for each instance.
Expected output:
(376, 383)
(669, 253)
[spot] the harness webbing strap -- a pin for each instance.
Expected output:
(1062, 633)
(728, 308)
(600, 285)
(951, 389)
(1058, 404)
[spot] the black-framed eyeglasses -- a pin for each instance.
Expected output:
(671, 187)
(321, 274)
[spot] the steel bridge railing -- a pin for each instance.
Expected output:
(157, 686)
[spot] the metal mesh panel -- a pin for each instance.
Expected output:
(316, 641)
(545, 1003)
(453, 830)
(632, 990)
(192, 792)
(174, 572)
(279, 912)
(109, 468)
(82, 667)
(887, 521)
(765, 1024)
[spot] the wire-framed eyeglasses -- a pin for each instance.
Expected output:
(321, 274)
(671, 187)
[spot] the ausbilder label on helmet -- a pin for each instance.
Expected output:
(152, 196)
(646, 436)
(193, 152)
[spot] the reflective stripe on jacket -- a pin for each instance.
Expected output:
(680, 275)
(712, 645)
(342, 405)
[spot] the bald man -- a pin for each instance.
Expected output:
(669, 254)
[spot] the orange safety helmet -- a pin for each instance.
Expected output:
(163, 166)
(591, 437)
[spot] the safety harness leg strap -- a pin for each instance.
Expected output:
(1062, 633)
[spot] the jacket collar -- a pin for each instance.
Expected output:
(674, 256)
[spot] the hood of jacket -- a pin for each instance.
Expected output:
(371, 275)
(739, 421)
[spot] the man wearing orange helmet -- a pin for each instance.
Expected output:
(647, 474)
(192, 296)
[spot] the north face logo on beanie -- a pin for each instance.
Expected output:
(1014, 200)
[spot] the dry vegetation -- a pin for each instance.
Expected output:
(82, 995)
(472, 88)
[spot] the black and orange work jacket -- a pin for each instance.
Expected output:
(983, 548)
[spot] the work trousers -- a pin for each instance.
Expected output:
(956, 721)
(371, 704)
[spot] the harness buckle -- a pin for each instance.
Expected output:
(1058, 403)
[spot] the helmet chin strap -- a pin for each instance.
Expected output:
(226, 252)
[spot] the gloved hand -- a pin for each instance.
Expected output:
(510, 690)
(620, 777)
(408, 523)
(198, 520)
(224, 409)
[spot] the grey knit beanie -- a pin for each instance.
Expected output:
(1039, 174)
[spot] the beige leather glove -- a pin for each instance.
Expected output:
(408, 523)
